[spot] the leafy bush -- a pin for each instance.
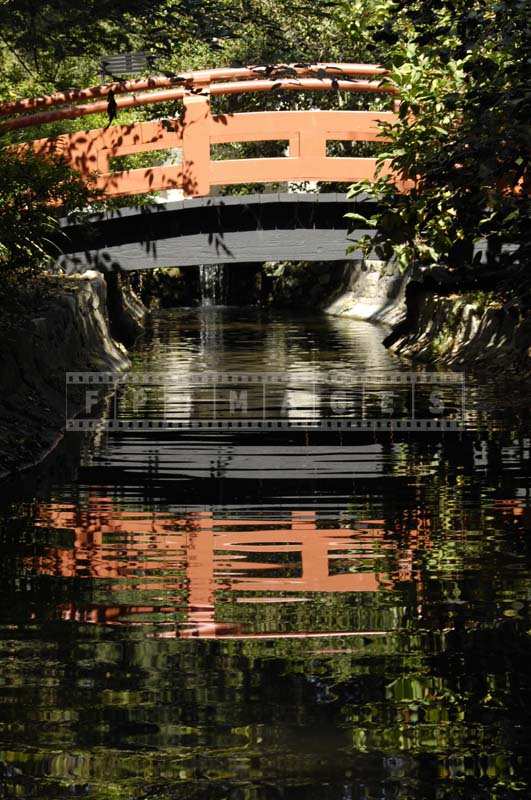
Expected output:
(460, 139)
(34, 191)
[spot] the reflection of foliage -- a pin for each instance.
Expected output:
(449, 675)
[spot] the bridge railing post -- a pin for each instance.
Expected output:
(196, 141)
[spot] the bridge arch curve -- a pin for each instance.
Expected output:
(214, 230)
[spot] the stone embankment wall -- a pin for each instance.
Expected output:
(366, 290)
(372, 291)
(472, 330)
(126, 311)
(71, 332)
(461, 331)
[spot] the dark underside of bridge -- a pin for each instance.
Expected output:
(215, 230)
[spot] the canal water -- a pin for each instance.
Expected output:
(330, 613)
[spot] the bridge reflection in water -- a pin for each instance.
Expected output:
(195, 570)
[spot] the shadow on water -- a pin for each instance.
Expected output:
(315, 615)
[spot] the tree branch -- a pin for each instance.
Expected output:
(19, 59)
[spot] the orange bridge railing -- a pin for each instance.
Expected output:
(197, 129)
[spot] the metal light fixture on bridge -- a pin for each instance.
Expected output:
(126, 64)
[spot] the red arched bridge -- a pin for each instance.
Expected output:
(197, 129)
(126, 240)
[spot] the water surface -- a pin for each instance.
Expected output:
(270, 615)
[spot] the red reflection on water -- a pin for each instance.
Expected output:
(195, 557)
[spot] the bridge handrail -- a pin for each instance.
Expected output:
(192, 77)
(201, 79)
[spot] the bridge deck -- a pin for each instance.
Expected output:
(213, 230)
